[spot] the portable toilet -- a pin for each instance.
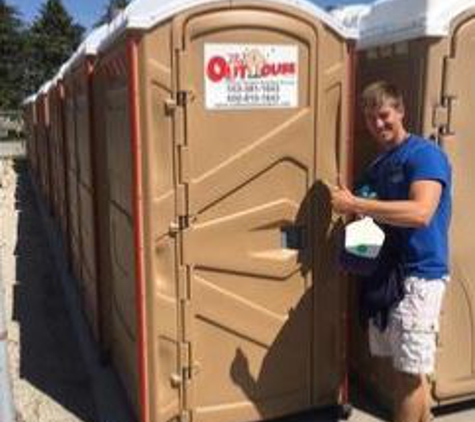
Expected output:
(44, 154)
(219, 122)
(58, 156)
(426, 48)
(80, 112)
(72, 173)
(29, 116)
(36, 111)
(53, 149)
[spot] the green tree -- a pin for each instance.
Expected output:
(111, 10)
(11, 63)
(51, 40)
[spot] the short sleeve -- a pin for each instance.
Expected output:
(429, 163)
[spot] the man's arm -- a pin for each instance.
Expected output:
(417, 211)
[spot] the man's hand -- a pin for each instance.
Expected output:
(342, 200)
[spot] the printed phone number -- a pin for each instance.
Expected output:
(253, 93)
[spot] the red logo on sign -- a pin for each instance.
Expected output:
(250, 65)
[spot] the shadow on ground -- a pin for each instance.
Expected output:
(453, 409)
(50, 358)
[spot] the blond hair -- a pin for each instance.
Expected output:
(380, 93)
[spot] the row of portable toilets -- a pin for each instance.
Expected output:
(182, 150)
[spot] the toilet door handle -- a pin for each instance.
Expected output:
(293, 237)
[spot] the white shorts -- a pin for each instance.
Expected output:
(411, 335)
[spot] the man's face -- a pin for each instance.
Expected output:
(385, 124)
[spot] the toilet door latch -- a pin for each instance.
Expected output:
(293, 237)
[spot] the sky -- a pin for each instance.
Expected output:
(87, 12)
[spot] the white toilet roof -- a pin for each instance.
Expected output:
(29, 100)
(88, 47)
(350, 16)
(391, 21)
(145, 14)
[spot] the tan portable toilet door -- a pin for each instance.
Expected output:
(247, 164)
(456, 360)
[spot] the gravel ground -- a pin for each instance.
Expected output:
(50, 383)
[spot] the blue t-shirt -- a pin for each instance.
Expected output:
(424, 250)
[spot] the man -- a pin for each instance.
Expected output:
(411, 178)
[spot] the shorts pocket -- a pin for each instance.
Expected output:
(419, 325)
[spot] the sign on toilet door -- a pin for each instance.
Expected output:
(249, 76)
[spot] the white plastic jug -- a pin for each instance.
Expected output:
(364, 238)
